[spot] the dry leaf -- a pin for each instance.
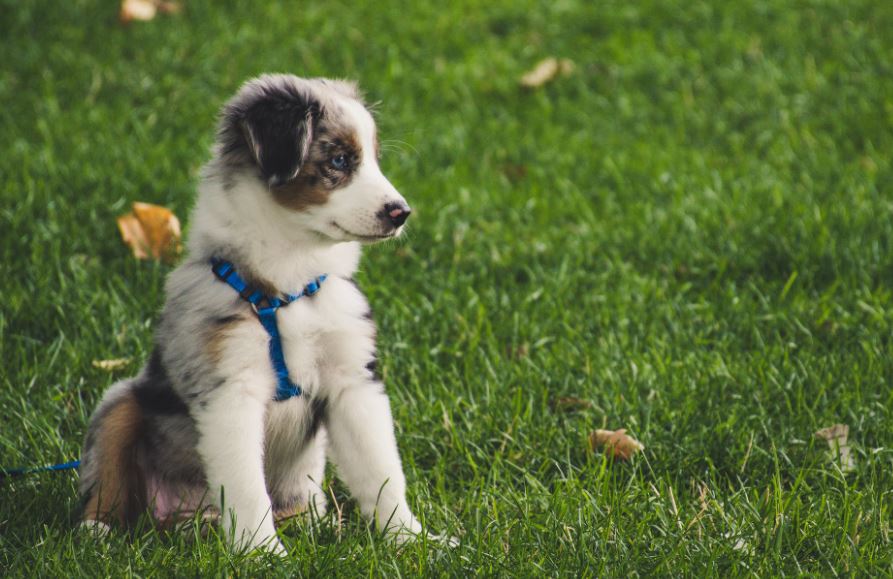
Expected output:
(839, 432)
(514, 171)
(521, 351)
(616, 442)
(570, 404)
(170, 7)
(145, 10)
(133, 235)
(151, 231)
(111, 365)
(836, 436)
(546, 70)
(138, 10)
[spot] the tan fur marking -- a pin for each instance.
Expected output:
(218, 335)
(117, 492)
(280, 515)
(301, 193)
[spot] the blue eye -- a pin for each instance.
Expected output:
(339, 162)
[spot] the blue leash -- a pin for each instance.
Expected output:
(266, 313)
(13, 472)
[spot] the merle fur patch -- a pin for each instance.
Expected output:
(278, 126)
(155, 393)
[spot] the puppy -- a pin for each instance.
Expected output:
(292, 192)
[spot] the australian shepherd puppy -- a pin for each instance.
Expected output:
(292, 192)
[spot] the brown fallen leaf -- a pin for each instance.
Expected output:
(837, 438)
(546, 70)
(615, 442)
(514, 172)
(142, 10)
(570, 404)
(133, 235)
(839, 432)
(170, 7)
(145, 10)
(151, 231)
(519, 352)
(111, 365)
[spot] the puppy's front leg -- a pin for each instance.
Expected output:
(231, 443)
(364, 449)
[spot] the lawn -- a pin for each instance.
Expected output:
(693, 232)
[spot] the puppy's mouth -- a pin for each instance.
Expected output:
(370, 238)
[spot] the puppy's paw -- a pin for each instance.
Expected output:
(444, 540)
(95, 528)
(271, 544)
(404, 531)
(275, 547)
(404, 534)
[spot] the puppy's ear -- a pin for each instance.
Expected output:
(279, 134)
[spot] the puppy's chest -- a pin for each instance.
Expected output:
(328, 333)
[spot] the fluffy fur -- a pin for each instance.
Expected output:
(293, 187)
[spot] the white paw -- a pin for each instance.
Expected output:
(451, 542)
(96, 528)
(406, 533)
(275, 547)
(269, 544)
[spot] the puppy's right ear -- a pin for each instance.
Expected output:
(278, 134)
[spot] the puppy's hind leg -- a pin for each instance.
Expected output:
(296, 482)
(112, 482)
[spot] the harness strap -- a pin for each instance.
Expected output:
(265, 307)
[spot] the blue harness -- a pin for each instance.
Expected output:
(265, 307)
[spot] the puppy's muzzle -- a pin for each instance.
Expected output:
(395, 214)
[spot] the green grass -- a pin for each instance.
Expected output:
(694, 232)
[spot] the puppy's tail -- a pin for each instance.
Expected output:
(113, 481)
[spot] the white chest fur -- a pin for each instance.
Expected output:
(327, 339)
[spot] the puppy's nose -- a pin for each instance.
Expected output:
(397, 213)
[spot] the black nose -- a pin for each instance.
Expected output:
(396, 213)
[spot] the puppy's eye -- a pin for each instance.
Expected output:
(339, 162)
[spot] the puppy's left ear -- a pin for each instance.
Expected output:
(279, 136)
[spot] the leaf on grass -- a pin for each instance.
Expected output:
(111, 365)
(142, 10)
(151, 231)
(570, 404)
(547, 70)
(521, 351)
(170, 7)
(145, 10)
(615, 442)
(836, 436)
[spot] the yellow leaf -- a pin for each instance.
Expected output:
(837, 438)
(145, 10)
(138, 10)
(546, 70)
(111, 365)
(615, 442)
(151, 231)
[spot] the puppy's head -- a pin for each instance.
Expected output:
(313, 145)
